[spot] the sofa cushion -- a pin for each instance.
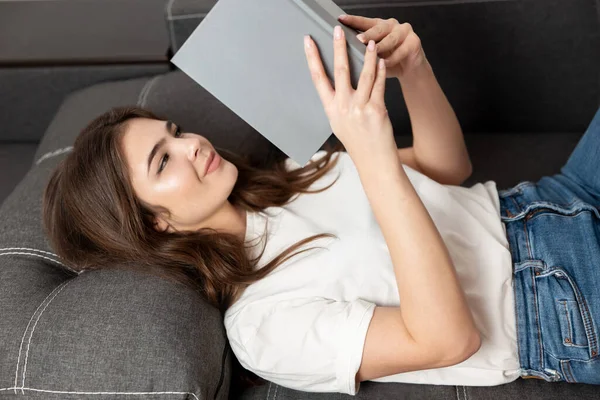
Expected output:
(121, 334)
(16, 158)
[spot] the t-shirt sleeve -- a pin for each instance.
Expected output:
(312, 344)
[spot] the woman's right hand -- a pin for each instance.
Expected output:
(358, 118)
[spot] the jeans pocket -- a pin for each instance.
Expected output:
(567, 326)
(571, 324)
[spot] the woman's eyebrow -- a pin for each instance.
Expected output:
(158, 145)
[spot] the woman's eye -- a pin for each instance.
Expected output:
(163, 163)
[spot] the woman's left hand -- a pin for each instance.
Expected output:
(396, 43)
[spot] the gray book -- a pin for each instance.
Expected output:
(250, 56)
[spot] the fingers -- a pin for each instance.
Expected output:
(410, 46)
(367, 76)
(340, 63)
(378, 92)
(357, 22)
(397, 35)
(317, 72)
(371, 85)
(377, 32)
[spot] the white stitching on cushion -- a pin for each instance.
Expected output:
(38, 255)
(29, 342)
(24, 333)
(54, 153)
(171, 29)
(61, 391)
(146, 90)
(457, 393)
(30, 249)
(33, 329)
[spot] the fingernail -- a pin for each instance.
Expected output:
(361, 37)
(337, 32)
(343, 16)
(371, 45)
(306, 41)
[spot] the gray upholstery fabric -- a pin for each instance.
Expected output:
(31, 95)
(512, 158)
(521, 389)
(84, 105)
(15, 160)
(116, 30)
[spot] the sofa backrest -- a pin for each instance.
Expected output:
(505, 65)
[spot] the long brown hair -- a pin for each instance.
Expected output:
(93, 219)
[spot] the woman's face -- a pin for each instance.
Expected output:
(167, 168)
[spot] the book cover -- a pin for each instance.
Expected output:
(250, 56)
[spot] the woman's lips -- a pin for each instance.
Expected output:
(213, 163)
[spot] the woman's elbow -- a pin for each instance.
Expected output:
(471, 345)
(465, 174)
(463, 350)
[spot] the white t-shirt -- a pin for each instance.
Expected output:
(304, 325)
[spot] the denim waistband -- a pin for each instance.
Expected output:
(534, 266)
(528, 329)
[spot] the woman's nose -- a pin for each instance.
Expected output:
(193, 148)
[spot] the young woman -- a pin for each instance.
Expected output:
(413, 278)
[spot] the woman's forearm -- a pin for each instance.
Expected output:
(438, 140)
(432, 303)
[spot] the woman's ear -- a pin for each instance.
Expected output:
(161, 225)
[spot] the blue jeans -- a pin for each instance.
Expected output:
(553, 229)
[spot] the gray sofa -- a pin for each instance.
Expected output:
(522, 75)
